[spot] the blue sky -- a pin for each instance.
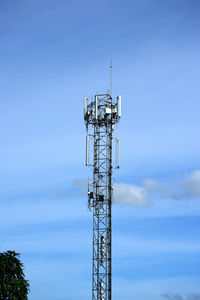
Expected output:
(52, 54)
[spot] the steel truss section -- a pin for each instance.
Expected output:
(100, 117)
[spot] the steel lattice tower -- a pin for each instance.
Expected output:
(101, 115)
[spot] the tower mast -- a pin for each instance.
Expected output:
(100, 115)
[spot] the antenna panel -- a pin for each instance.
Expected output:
(119, 106)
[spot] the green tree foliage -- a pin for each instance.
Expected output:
(13, 285)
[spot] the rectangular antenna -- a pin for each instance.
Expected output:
(85, 105)
(87, 150)
(119, 106)
(96, 107)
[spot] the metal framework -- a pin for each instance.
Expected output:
(101, 115)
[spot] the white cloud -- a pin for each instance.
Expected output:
(173, 296)
(130, 194)
(153, 187)
(191, 185)
(186, 189)
(153, 288)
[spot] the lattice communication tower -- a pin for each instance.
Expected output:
(100, 115)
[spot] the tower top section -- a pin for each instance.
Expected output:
(102, 110)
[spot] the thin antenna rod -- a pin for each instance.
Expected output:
(111, 78)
